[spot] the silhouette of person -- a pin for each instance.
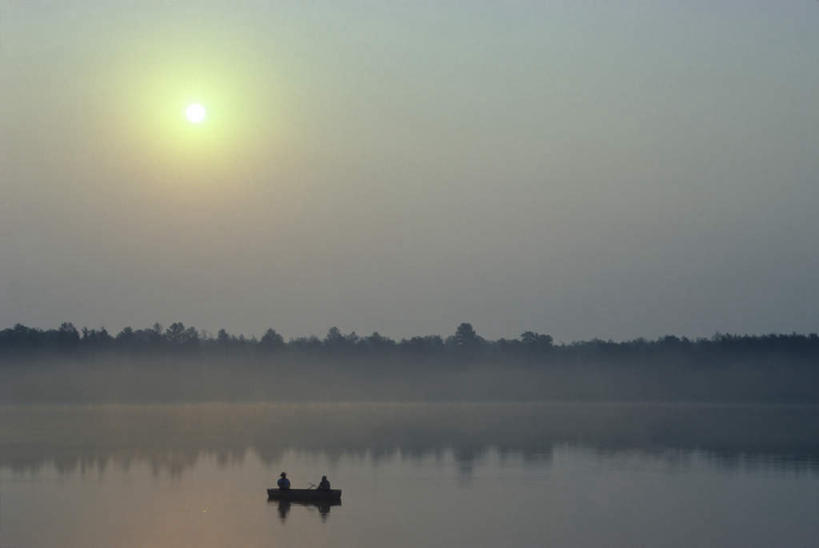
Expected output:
(323, 485)
(283, 483)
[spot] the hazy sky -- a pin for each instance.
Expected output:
(610, 169)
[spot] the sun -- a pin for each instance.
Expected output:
(195, 113)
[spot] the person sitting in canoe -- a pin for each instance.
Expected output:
(323, 485)
(283, 483)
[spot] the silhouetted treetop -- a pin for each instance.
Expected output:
(465, 337)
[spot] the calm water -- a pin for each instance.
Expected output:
(412, 475)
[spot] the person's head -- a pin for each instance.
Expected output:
(283, 474)
(323, 477)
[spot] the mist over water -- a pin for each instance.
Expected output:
(175, 435)
(411, 474)
(166, 438)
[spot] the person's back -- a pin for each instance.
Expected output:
(324, 485)
(283, 483)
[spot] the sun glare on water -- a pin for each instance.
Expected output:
(195, 113)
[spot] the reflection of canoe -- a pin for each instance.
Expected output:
(305, 495)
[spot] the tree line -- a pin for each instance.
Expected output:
(465, 342)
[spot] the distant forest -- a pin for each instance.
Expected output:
(181, 363)
(464, 344)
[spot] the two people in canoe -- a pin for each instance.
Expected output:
(284, 483)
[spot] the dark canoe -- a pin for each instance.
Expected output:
(304, 495)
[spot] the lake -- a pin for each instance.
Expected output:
(445, 474)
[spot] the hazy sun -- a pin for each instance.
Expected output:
(195, 113)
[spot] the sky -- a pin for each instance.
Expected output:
(585, 169)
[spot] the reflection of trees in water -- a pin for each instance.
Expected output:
(172, 437)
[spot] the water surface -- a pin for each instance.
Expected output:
(412, 475)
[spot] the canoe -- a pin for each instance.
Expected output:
(304, 495)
